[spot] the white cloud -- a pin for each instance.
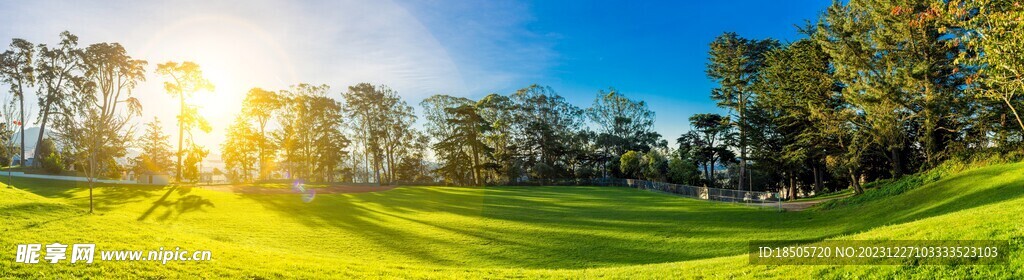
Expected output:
(242, 44)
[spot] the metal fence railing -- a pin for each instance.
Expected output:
(752, 198)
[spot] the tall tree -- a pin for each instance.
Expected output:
(184, 80)
(16, 71)
(711, 140)
(382, 123)
(260, 106)
(796, 85)
(994, 39)
(310, 135)
(60, 73)
(898, 69)
(543, 121)
(624, 124)
(468, 139)
(449, 151)
(499, 111)
(734, 63)
(100, 127)
(239, 151)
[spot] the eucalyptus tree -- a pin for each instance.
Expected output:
(310, 134)
(382, 124)
(545, 121)
(623, 124)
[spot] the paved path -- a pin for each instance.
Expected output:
(802, 205)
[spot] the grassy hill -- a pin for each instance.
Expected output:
(499, 232)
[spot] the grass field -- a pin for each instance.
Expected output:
(495, 232)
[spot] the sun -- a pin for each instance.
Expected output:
(234, 55)
(219, 106)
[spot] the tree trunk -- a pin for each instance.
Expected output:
(181, 134)
(817, 179)
(855, 183)
(707, 175)
(262, 144)
(1014, 110)
(476, 165)
(21, 116)
(743, 146)
(792, 186)
(92, 171)
(42, 131)
(897, 168)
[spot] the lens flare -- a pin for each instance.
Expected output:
(307, 195)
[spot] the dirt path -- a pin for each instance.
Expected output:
(802, 205)
(318, 190)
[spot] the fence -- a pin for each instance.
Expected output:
(753, 198)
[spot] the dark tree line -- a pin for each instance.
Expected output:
(535, 135)
(877, 89)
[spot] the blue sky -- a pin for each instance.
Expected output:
(651, 50)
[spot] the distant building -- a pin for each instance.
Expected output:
(152, 178)
(16, 160)
(211, 178)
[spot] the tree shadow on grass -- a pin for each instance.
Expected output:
(105, 196)
(507, 228)
(171, 207)
(578, 227)
(341, 211)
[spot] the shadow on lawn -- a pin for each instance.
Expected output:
(574, 227)
(184, 203)
(560, 228)
(110, 196)
(105, 196)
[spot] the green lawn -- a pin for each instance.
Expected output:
(494, 232)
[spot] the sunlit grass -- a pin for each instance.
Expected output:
(442, 232)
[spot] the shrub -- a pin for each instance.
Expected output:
(52, 163)
(629, 164)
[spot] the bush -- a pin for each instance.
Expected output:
(630, 164)
(52, 163)
(683, 171)
(654, 166)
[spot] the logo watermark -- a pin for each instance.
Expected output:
(86, 253)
